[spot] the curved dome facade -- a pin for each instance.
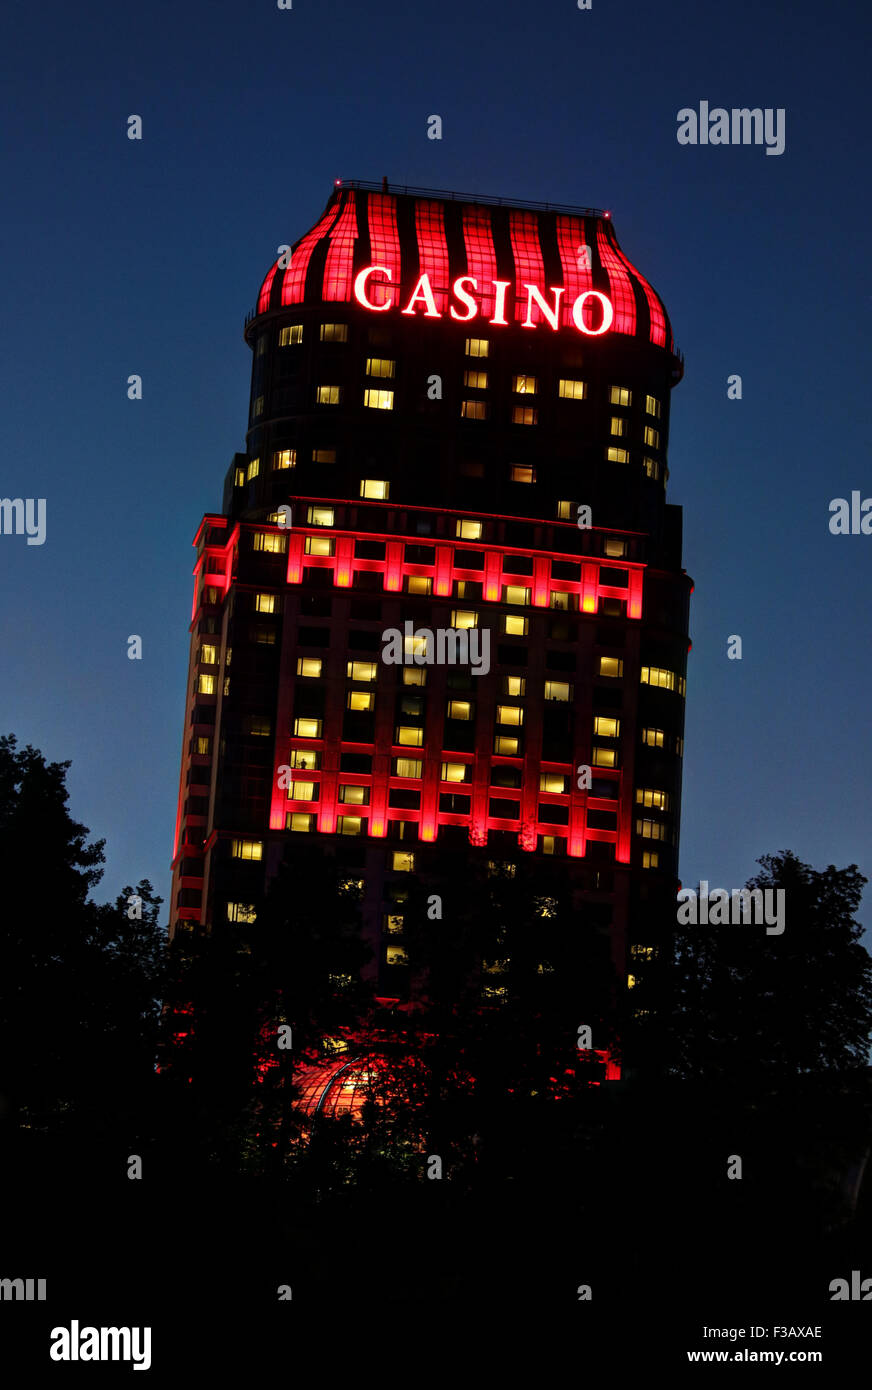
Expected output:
(409, 234)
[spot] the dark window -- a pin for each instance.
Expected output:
(355, 762)
(314, 637)
(511, 656)
(370, 550)
(365, 609)
(363, 641)
(508, 810)
(455, 803)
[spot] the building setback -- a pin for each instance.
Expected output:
(441, 386)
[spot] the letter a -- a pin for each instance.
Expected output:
(584, 1293)
(584, 777)
(734, 1166)
(841, 1286)
(434, 1166)
(284, 253)
(284, 777)
(585, 517)
(285, 1037)
(134, 127)
(284, 1293)
(734, 648)
(585, 1037)
(434, 127)
(60, 1347)
(734, 387)
(434, 908)
(686, 133)
(134, 388)
(134, 909)
(134, 1166)
(134, 647)
(434, 388)
(840, 521)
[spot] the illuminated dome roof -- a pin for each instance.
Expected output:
(337, 1087)
(412, 232)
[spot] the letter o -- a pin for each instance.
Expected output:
(360, 287)
(608, 314)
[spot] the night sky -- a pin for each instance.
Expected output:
(125, 257)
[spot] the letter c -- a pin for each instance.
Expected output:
(360, 287)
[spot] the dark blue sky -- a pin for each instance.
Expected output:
(122, 257)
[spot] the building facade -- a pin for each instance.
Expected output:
(458, 425)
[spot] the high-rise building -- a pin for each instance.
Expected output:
(458, 425)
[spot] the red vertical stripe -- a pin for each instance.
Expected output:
(576, 276)
(658, 318)
(294, 284)
(529, 269)
(384, 241)
(263, 298)
(433, 250)
(620, 285)
(340, 256)
(481, 260)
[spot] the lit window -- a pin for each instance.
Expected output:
(414, 675)
(652, 830)
(264, 603)
(305, 758)
(300, 821)
(241, 912)
(560, 600)
(408, 767)
(258, 406)
(571, 390)
(516, 593)
(354, 796)
(618, 455)
(614, 547)
(652, 406)
(650, 859)
(564, 511)
(657, 675)
(651, 466)
(334, 332)
(650, 796)
(473, 410)
(258, 726)
(396, 955)
(203, 746)
(292, 334)
(652, 437)
(631, 981)
(620, 395)
(327, 395)
(349, 825)
(403, 861)
(378, 399)
(510, 714)
(477, 347)
(558, 690)
(549, 844)
(270, 543)
(307, 728)
(524, 415)
(301, 791)
(394, 923)
(654, 738)
(522, 473)
(459, 709)
(361, 670)
(508, 747)
(285, 458)
(611, 666)
(252, 470)
(605, 726)
(265, 636)
(380, 366)
(409, 737)
(463, 618)
(376, 488)
(467, 530)
(208, 654)
(475, 381)
(320, 516)
(525, 385)
(240, 477)
(415, 645)
(323, 455)
(604, 757)
(514, 626)
(619, 425)
(455, 772)
(247, 849)
(309, 665)
(514, 685)
(643, 952)
(360, 700)
(552, 782)
(226, 685)
(419, 584)
(205, 684)
(320, 545)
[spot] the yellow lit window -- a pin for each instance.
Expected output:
(631, 981)
(419, 584)
(618, 455)
(410, 737)
(652, 830)
(651, 466)
(650, 796)
(515, 685)
(241, 912)
(658, 675)
(270, 543)
(505, 745)
(380, 366)
(205, 684)
(307, 728)
(394, 923)
(614, 547)
(305, 758)
(477, 347)
(258, 726)
(620, 395)
(473, 410)
(203, 746)
(514, 626)
(463, 618)
(459, 709)
(408, 767)
(258, 406)
(361, 670)
(523, 473)
(414, 645)
(300, 821)
(376, 488)
(552, 782)
(334, 332)
(549, 844)
(208, 654)
(403, 861)
(604, 757)
(292, 334)
(571, 390)
(353, 796)
(564, 511)
(378, 399)
(454, 772)
(475, 381)
(654, 738)
(396, 955)
(414, 675)
(285, 458)
(468, 530)
(517, 593)
(560, 600)
(510, 714)
(558, 690)
(611, 666)
(327, 395)
(619, 425)
(320, 545)
(323, 455)
(650, 859)
(247, 849)
(525, 385)
(652, 406)
(652, 437)
(320, 516)
(349, 825)
(360, 700)
(264, 603)
(309, 665)
(524, 415)
(240, 477)
(605, 726)
(252, 470)
(301, 791)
